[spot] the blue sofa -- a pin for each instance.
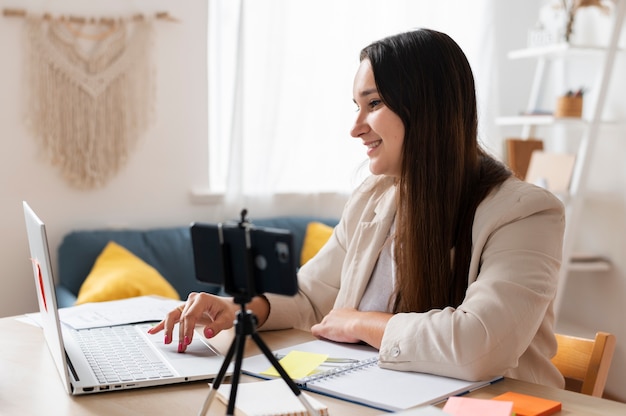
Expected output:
(168, 250)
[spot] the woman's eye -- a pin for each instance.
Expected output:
(374, 103)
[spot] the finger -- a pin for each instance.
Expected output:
(157, 328)
(187, 323)
(220, 317)
(168, 324)
(209, 332)
(182, 324)
(316, 330)
(217, 324)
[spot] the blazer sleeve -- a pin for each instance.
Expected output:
(516, 255)
(318, 281)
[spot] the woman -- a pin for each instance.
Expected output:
(442, 260)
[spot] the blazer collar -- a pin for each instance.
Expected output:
(368, 241)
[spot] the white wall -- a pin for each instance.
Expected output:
(170, 160)
(153, 189)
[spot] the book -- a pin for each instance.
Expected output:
(351, 372)
(552, 171)
(527, 405)
(519, 152)
(268, 398)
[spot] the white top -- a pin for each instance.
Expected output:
(377, 296)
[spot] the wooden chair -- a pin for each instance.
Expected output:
(585, 362)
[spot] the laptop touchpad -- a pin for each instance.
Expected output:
(198, 359)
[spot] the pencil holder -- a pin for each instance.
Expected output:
(569, 106)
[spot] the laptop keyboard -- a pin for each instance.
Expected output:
(120, 354)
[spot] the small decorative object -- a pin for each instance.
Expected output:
(540, 35)
(577, 22)
(570, 104)
(586, 21)
(550, 26)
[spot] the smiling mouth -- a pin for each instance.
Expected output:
(374, 144)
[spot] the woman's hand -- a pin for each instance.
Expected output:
(216, 313)
(351, 325)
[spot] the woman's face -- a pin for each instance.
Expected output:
(380, 129)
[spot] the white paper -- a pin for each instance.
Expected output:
(267, 398)
(117, 312)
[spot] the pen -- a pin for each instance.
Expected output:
(329, 359)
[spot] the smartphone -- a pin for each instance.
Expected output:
(245, 260)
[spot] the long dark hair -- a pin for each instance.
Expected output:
(424, 77)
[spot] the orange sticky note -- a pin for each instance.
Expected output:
(468, 406)
(526, 405)
(298, 364)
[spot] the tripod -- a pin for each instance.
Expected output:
(246, 324)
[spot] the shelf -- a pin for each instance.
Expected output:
(549, 120)
(585, 262)
(539, 120)
(589, 266)
(558, 50)
(605, 56)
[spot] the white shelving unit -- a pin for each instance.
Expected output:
(589, 127)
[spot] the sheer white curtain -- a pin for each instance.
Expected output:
(280, 87)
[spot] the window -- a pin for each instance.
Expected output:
(280, 85)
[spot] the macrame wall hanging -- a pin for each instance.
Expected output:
(91, 92)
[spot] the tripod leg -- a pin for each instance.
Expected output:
(283, 374)
(240, 343)
(218, 379)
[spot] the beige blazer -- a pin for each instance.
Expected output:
(504, 325)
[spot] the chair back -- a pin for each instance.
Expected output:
(585, 362)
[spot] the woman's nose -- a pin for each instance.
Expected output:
(360, 127)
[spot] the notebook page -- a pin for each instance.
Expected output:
(364, 381)
(391, 390)
(340, 356)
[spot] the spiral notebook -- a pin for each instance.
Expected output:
(351, 373)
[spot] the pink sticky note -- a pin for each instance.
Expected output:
(467, 406)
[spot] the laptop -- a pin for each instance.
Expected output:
(78, 353)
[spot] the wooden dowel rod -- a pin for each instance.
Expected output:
(79, 19)
(14, 12)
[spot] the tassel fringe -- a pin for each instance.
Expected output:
(91, 98)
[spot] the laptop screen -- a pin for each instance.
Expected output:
(44, 284)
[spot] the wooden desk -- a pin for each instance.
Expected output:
(30, 385)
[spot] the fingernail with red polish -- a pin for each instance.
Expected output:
(208, 332)
(167, 339)
(180, 347)
(187, 342)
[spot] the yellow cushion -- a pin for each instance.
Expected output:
(316, 235)
(119, 274)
